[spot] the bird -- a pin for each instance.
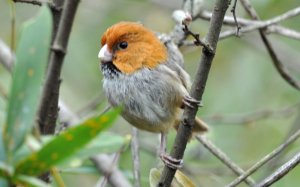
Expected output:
(147, 80)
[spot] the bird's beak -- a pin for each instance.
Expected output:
(104, 54)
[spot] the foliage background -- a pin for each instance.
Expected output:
(242, 80)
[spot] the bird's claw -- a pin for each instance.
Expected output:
(171, 162)
(191, 102)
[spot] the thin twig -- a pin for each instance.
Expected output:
(229, 20)
(116, 178)
(294, 127)
(197, 41)
(282, 70)
(197, 91)
(276, 29)
(265, 159)
(280, 172)
(57, 177)
(33, 2)
(111, 166)
(291, 13)
(47, 114)
(238, 27)
(135, 157)
(224, 158)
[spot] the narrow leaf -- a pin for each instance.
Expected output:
(154, 177)
(32, 54)
(29, 181)
(5, 170)
(183, 180)
(65, 144)
(179, 180)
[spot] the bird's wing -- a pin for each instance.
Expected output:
(175, 62)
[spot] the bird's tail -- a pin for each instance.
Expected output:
(199, 127)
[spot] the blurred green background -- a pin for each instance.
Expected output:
(242, 80)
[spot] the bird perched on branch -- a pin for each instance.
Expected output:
(147, 79)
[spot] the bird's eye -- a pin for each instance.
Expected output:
(123, 45)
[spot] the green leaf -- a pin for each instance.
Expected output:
(29, 181)
(32, 56)
(65, 144)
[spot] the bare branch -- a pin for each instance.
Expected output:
(261, 25)
(39, 3)
(106, 165)
(33, 2)
(265, 159)
(197, 41)
(135, 157)
(197, 90)
(47, 114)
(224, 158)
(282, 70)
(283, 31)
(294, 127)
(280, 172)
(229, 20)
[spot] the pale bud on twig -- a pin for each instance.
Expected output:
(182, 17)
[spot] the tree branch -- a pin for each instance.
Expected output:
(282, 70)
(229, 20)
(276, 29)
(224, 158)
(47, 114)
(294, 127)
(265, 159)
(261, 25)
(51, 4)
(280, 172)
(105, 164)
(197, 90)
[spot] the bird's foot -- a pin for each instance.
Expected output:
(171, 162)
(191, 102)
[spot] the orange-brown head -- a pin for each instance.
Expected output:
(130, 46)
